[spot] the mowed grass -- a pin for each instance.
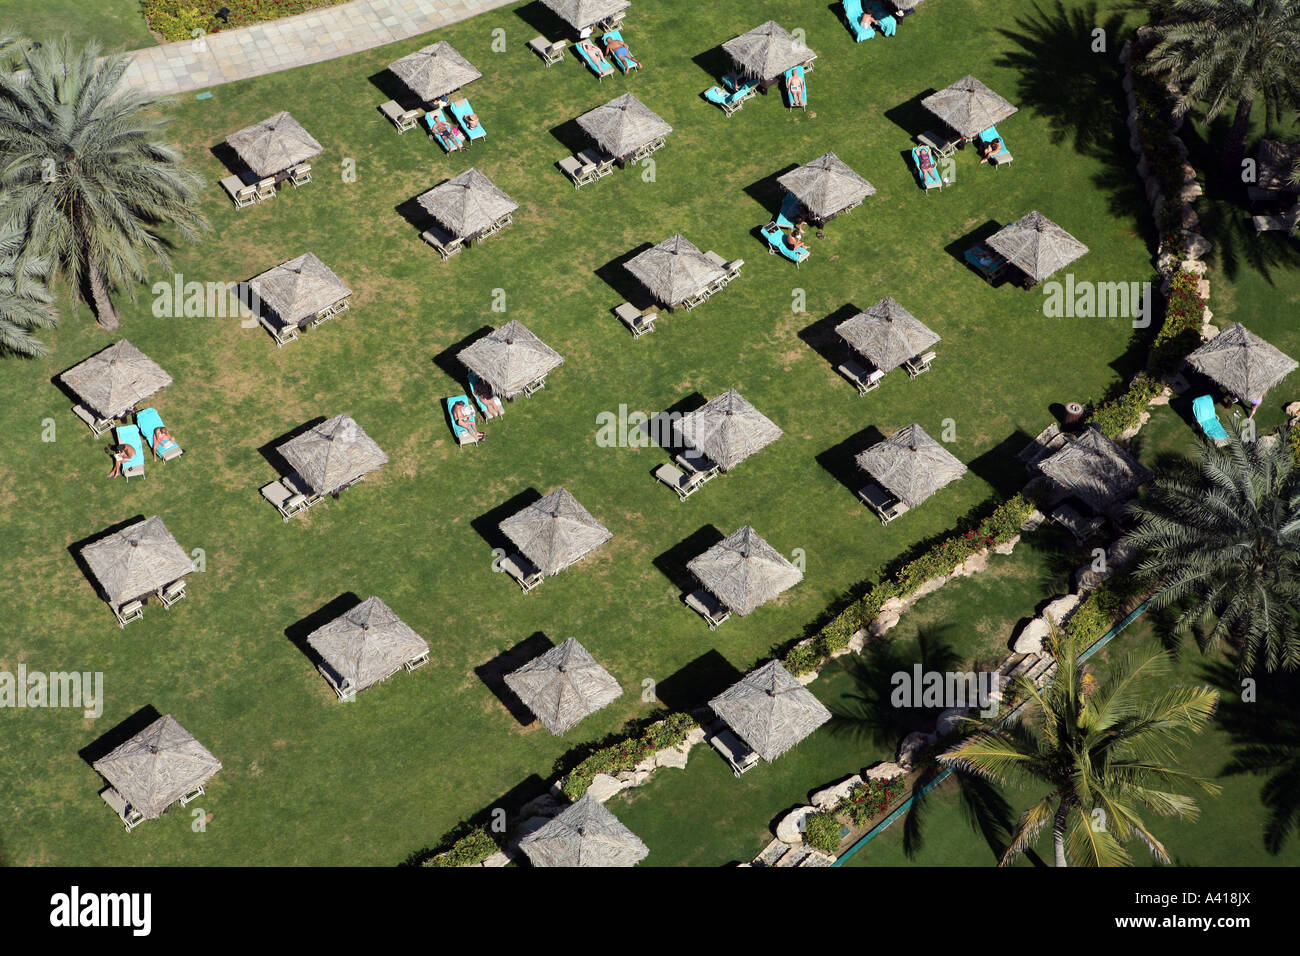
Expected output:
(310, 781)
(117, 24)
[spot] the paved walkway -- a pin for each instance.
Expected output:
(294, 41)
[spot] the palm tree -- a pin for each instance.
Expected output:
(1220, 539)
(25, 302)
(1101, 749)
(83, 169)
(1227, 53)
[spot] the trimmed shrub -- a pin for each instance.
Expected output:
(470, 850)
(821, 831)
(628, 752)
(1116, 415)
(178, 19)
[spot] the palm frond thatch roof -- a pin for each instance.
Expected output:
(581, 14)
(434, 71)
(1277, 164)
(585, 834)
(767, 51)
(509, 358)
(728, 429)
(332, 454)
(886, 334)
(826, 186)
(299, 288)
(158, 766)
(467, 204)
(1096, 470)
(910, 465)
(115, 379)
(1242, 362)
(563, 686)
(136, 560)
(366, 644)
(968, 106)
(1036, 246)
(555, 532)
(623, 125)
(275, 144)
(743, 571)
(770, 710)
(674, 270)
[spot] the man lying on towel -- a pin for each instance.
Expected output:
(795, 87)
(449, 133)
(463, 416)
(617, 48)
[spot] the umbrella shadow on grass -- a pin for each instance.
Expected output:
(571, 136)
(448, 360)
(225, 154)
(76, 547)
(488, 523)
(913, 118)
(662, 430)
(493, 674)
(822, 338)
(700, 680)
(768, 193)
(838, 460)
(105, 744)
(270, 451)
(300, 630)
(614, 275)
(541, 18)
(714, 62)
(417, 216)
(957, 248)
(672, 563)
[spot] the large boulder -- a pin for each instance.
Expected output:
(1059, 610)
(1031, 637)
(603, 786)
(883, 622)
(913, 745)
(829, 797)
(673, 757)
(790, 829)
(886, 770)
(1007, 546)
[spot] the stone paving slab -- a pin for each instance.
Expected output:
(291, 42)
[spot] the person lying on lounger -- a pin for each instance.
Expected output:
(121, 455)
(618, 49)
(794, 242)
(795, 87)
(449, 133)
(463, 416)
(162, 441)
(471, 121)
(594, 54)
(483, 392)
(868, 21)
(989, 150)
(925, 159)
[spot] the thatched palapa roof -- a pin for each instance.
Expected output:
(467, 204)
(136, 561)
(1242, 362)
(766, 52)
(623, 125)
(968, 106)
(434, 71)
(332, 454)
(743, 571)
(158, 766)
(886, 334)
(274, 144)
(910, 465)
(299, 288)
(826, 186)
(115, 379)
(674, 270)
(366, 644)
(728, 429)
(581, 14)
(770, 710)
(1095, 469)
(563, 686)
(1036, 246)
(555, 532)
(510, 358)
(586, 834)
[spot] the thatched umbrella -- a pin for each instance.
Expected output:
(581, 14)
(886, 334)
(510, 358)
(563, 686)
(1036, 246)
(136, 561)
(1095, 469)
(826, 186)
(274, 145)
(674, 270)
(623, 125)
(434, 71)
(586, 834)
(332, 454)
(968, 107)
(158, 766)
(910, 465)
(555, 532)
(116, 379)
(1242, 363)
(770, 710)
(728, 429)
(766, 52)
(299, 289)
(744, 572)
(468, 204)
(366, 645)
(1277, 165)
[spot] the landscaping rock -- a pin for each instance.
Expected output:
(947, 721)
(496, 859)
(913, 745)
(633, 778)
(1293, 410)
(1006, 547)
(1061, 609)
(883, 622)
(1196, 245)
(603, 786)
(1208, 332)
(790, 829)
(694, 736)
(886, 770)
(1031, 637)
(829, 797)
(858, 641)
(1194, 266)
(892, 605)
(929, 587)
(1203, 288)
(1119, 555)
(547, 805)
(674, 757)
(1035, 519)
(645, 766)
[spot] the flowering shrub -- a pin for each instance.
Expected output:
(1180, 332)
(870, 799)
(178, 19)
(628, 752)
(470, 850)
(1116, 415)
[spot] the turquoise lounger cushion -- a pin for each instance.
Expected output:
(1207, 418)
(130, 435)
(888, 25)
(928, 176)
(716, 94)
(853, 13)
(591, 64)
(456, 429)
(776, 239)
(789, 209)
(148, 422)
(460, 109)
(437, 116)
(789, 100)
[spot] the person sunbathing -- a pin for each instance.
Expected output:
(795, 87)
(594, 54)
(471, 121)
(491, 404)
(925, 159)
(449, 134)
(617, 48)
(990, 149)
(162, 441)
(868, 21)
(121, 455)
(463, 416)
(793, 241)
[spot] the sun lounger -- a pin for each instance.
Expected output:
(734, 751)
(266, 189)
(885, 505)
(1286, 222)
(853, 14)
(130, 435)
(581, 173)
(150, 421)
(288, 501)
(623, 59)
(535, 386)
(130, 817)
(522, 570)
(703, 603)
(548, 51)
(446, 244)
(918, 364)
(789, 97)
(684, 483)
(695, 461)
(128, 612)
(402, 119)
(601, 71)
(490, 407)
(461, 110)
(776, 243)
(171, 593)
(603, 162)
(859, 377)
(462, 434)
(282, 332)
(239, 194)
(730, 102)
(930, 178)
(453, 139)
(939, 142)
(637, 321)
(1003, 156)
(1208, 419)
(888, 24)
(986, 262)
(300, 175)
(789, 212)
(96, 424)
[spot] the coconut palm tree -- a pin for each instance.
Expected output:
(1101, 751)
(84, 171)
(1220, 539)
(1226, 54)
(25, 302)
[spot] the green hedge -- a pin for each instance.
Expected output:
(470, 850)
(1180, 332)
(821, 831)
(1124, 411)
(178, 19)
(628, 752)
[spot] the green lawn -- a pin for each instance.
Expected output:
(307, 780)
(117, 24)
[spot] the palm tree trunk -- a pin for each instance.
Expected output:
(1235, 150)
(1058, 832)
(105, 312)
